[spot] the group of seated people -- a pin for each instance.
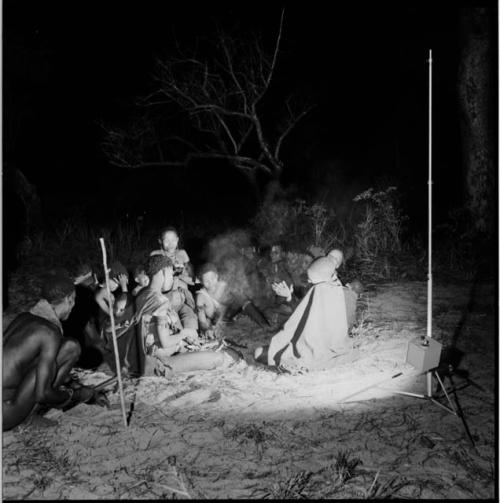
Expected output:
(161, 323)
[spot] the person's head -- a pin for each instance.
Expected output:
(336, 256)
(209, 276)
(169, 239)
(276, 253)
(356, 286)
(249, 251)
(84, 275)
(160, 270)
(58, 290)
(320, 270)
(140, 276)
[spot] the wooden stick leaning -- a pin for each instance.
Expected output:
(113, 332)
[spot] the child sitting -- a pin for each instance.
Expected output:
(141, 278)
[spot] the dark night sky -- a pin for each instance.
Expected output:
(365, 66)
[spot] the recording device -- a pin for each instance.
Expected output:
(423, 353)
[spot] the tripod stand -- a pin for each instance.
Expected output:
(440, 373)
(446, 371)
(424, 353)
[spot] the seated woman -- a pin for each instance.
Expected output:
(183, 270)
(162, 334)
(122, 305)
(316, 334)
(216, 301)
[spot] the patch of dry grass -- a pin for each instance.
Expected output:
(287, 486)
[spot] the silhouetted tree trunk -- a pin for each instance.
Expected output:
(475, 96)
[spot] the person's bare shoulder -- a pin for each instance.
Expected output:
(156, 252)
(32, 330)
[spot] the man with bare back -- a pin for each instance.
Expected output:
(37, 358)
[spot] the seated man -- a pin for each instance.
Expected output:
(37, 358)
(278, 270)
(163, 338)
(216, 301)
(82, 321)
(316, 334)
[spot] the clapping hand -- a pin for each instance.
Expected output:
(283, 290)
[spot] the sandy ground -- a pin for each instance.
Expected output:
(249, 432)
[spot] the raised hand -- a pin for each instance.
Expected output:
(283, 290)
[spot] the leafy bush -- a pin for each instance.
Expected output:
(378, 234)
(298, 225)
(372, 231)
(381, 227)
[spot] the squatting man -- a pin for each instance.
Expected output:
(37, 359)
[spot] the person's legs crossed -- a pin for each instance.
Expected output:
(202, 360)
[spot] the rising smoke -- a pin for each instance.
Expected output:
(227, 252)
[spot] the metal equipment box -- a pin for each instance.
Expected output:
(423, 353)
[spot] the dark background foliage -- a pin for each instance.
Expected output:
(70, 65)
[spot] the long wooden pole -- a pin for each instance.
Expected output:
(113, 332)
(429, 186)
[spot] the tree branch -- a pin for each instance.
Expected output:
(226, 129)
(290, 126)
(233, 74)
(236, 160)
(273, 63)
(263, 144)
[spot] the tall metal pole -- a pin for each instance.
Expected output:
(429, 186)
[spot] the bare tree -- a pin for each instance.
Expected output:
(223, 97)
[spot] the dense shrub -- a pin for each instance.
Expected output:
(371, 234)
